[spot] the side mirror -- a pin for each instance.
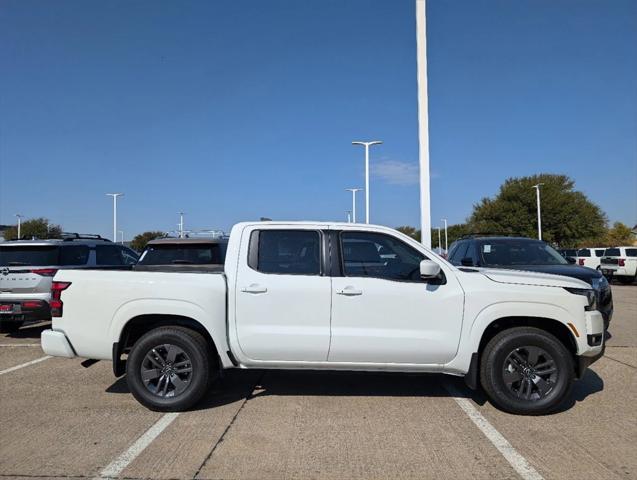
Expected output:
(429, 269)
(467, 262)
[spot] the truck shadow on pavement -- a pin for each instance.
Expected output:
(239, 385)
(30, 331)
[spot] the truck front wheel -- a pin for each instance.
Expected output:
(526, 370)
(168, 369)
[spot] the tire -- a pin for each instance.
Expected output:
(10, 327)
(508, 372)
(176, 362)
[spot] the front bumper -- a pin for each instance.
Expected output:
(592, 343)
(55, 343)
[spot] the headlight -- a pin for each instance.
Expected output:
(590, 295)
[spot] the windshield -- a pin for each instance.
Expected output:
(213, 254)
(508, 252)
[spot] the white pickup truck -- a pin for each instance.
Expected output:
(328, 296)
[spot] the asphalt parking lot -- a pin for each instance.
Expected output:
(61, 420)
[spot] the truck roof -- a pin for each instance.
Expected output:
(187, 241)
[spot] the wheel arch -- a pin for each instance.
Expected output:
(550, 325)
(139, 325)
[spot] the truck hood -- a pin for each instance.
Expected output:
(520, 277)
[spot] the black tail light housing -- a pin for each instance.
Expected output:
(56, 297)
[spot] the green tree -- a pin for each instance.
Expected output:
(454, 232)
(568, 216)
(35, 227)
(409, 231)
(619, 235)
(139, 242)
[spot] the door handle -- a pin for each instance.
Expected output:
(350, 292)
(254, 288)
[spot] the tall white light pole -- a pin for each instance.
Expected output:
(423, 122)
(353, 190)
(439, 243)
(19, 224)
(121, 236)
(181, 224)
(114, 195)
(539, 211)
(446, 246)
(367, 145)
(349, 216)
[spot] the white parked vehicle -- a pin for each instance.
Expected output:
(590, 257)
(620, 263)
(327, 296)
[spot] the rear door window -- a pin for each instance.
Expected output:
(292, 252)
(108, 255)
(599, 253)
(584, 252)
(73, 255)
(631, 252)
(21, 255)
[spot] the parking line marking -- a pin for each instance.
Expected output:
(120, 463)
(20, 345)
(18, 367)
(517, 461)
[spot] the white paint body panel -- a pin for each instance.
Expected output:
(302, 322)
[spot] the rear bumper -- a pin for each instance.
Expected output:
(33, 307)
(55, 343)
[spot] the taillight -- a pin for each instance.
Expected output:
(32, 304)
(45, 272)
(621, 262)
(581, 261)
(56, 297)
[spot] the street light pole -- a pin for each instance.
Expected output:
(439, 245)
(539, 212)
(121, 234)
(367, 145)
(19, 224)
(181, 224)
(114, 195)
(353, 190)
(446, 246)
(349, 216)
(423, 122)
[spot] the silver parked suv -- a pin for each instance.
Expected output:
(27, 268)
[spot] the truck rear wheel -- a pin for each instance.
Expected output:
(168, 369)
(526, 370)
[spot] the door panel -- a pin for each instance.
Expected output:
(283, 301)
(391, 320)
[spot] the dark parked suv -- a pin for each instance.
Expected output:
(184, 255)
(27, 268)
(520, 253)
